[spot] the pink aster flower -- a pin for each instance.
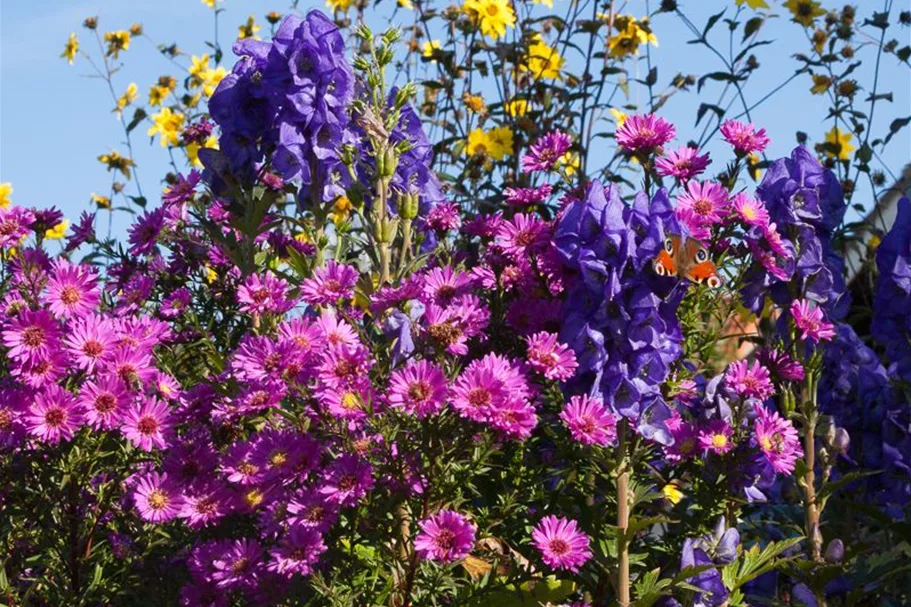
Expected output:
(561, 543)
(419, 389)
(147, 425)
(520, 197)
(31, 335)
(72, 290)
(743, 137)
(777, 439)
(443, 217)
(811, 321)
(297, 552)
(749, 381)
(522, 234)
(43, 371)
(546, 151)
(644, 133)
(330, 283)
(551, 358)
(90, 340)
(14, 224)
(312, 509)
(782, 365)
(751, 211)
(145, 231)
(175, 304)
(262, 295)
(486, 386)
(237, 566)
(445, 537)
(716, 436)
(776, 242)
(683, 164)
(204, 504)
(686, 444)
(442, 285)
(347, 480)
(54, 416)
(103, 400)
(590, 421)
(706, 201)
(157, 498)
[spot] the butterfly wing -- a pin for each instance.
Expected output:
(665, 264)
(696, 265)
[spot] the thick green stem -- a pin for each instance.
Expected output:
(811, 506)
(623, 582)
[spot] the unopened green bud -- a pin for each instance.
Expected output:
(390, 228)
(408, 205)
(390, 163)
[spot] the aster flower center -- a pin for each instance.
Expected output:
(446, 332)
(347, 482)
(479, 398)
(260, 295)
(33, 336)
(127, 373)
(253, 498)
(445, 539)
(247, 469)
(55, 417)
(147, 425)
(350, 401)
(8, 226)
(70, 295)
(315, 513)
(278, 458)
(92, 348)
(587, 425)
(703, 206)
(298, 554)
(105, 403)
(205, 505)
(419, 390)
(719, 441)
(332, 285)
(6, 419)
(525, 238)
(239, 565)
(158, 499)
(445, 291)
(559, 546)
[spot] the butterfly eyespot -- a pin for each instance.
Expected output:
(713, 281)
(659, 269)
(668, 245)
(701, 255)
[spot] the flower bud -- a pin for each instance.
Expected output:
(842, 441)
(826, 429)
(390, 163)
(409, 204)
(835, 551)
(389, 227)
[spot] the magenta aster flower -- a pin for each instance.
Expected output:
(419, 389)
(176, 303)
(238, 565)
(145, 231)
(445, 537)
(54, 416)
(182, 189)
(262, 295)
(442, 285)
(749, 381)
(686, 444)
(782, 365)
(352, 403)
(706, 201)
(238, 466)
(546, 151)
(14, 224)
(444, 217)
(716, 436)
(811, 321)
(551, 358)
(777, 439)
(561, 543)
(683, 164)
(329, 284)
(312, 509)
(156, 497)
(204, 504)
(44, 371)
(590, 421)
(82, 231)
(103, 399)
(147, 425)
(776, 242)
(520, 197)
(31, 335)
(522, 234)
(751, 211)
(644, 133)
(347, 480)
(297, 552)
(72, 290)
(743, 137)
(90, 339)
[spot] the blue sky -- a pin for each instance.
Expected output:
(55, 121)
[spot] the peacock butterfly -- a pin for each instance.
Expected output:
(690, 261)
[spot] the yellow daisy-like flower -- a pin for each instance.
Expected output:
(103, 202)
(570, 163)
(840, 141)
(340, 210)
(211, 3)
(211, 275)
(631, 35)
(6, 190)
(117, 41)
(406, 4)
(501, 140)
(429, 47)
(131, 95)
(821, 84)
(198, 66)
(248, 29)
(493, 16)
(157, 94)
(753, 4)
(475, 103)
(517, 107)
(58, 231)
(478, 143)
(340, 5)
(115, 162)
(619, 117)
(753, 166)
(71, 48)
(547, 3)
(804, 11)
(167, 124)
(192, 149)
(543, 60)
(211, 79)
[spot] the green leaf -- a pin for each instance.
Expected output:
(138, 116)
(752, 26)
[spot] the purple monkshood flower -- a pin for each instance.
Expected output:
(644, 133)
(683, 164)
(445, 537)
(546, 151)
(744, 137)
(561, 543)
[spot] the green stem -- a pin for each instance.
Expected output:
(623, 512)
